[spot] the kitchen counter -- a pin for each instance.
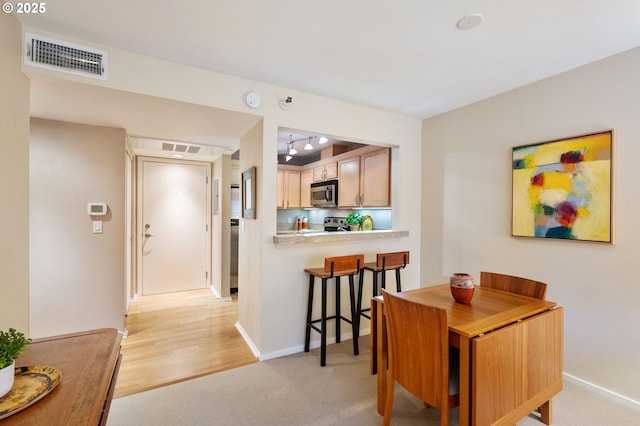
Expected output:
(294, 238)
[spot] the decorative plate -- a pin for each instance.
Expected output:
(30, 385)
(367, 223)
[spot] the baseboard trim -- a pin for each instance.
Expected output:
(247, 339)
(604, 392)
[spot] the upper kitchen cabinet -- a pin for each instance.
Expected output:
(306, 178)
(325, 171)
(288, 188)
(364, 180)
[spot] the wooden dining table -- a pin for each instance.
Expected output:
(510, 346)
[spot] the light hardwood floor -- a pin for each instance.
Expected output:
(174, 337)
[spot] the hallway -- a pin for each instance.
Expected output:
(174, 337)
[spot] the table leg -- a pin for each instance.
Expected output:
(465, 381)
(374, 337)
(382, 358)
(545, 412)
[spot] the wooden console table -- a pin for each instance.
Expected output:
(88, 363)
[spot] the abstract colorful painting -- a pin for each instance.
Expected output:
(563, 189)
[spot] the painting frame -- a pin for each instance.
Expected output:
(249, 193)
(563, 189)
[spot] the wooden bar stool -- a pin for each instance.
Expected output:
(384, 262)
(334, 267)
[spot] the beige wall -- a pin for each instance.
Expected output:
(275, 312)
(250, 266)
(77, 277)
(14, 180)
(466, 202)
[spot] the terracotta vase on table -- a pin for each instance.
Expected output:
(462, 287)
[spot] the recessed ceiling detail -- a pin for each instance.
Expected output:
(167, 149)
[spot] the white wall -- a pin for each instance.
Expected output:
(466, 204)
(77, 277)
(14, 180)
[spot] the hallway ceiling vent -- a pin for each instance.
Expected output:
(44, 52)
(178, 147)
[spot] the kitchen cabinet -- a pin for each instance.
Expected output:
(325, 171)
(288, 189)
(306, 178)
(364, 180)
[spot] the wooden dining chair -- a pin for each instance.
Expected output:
(418, 355)
(513, 284)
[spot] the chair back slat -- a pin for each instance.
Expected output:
(353, 262)
(513, 284)
(394, 260)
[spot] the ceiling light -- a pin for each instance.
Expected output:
(176, 155)
(469, 21)
(323, 140)
(292, 149)
(308, 146)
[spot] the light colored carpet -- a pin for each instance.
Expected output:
(295, 390)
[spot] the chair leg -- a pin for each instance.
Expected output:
(338, 334)
(376, 289)
(307, 335)
(398, 285)
(323, 333)
(359, 307)
(354, 315)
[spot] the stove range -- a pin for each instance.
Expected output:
(334, 224)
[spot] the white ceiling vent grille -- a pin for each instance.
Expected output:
(178, 147)
(57, 55)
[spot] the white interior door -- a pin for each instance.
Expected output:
(174, 226)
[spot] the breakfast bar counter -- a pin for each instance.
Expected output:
(317, 237)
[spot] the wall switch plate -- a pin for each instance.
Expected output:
(97, 227)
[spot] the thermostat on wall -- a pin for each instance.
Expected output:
(97, 209)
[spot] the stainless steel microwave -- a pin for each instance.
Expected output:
(324, 194)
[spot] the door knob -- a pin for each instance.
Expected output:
(147, 235)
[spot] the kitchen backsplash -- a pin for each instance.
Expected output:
(381, 217)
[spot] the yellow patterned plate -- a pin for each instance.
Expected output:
(30, 385)
(367, 223)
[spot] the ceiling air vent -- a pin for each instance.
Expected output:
(178, 147)
(57, 55)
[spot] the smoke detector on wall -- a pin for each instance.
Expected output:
(469, 21)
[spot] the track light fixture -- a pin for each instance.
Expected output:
(292, 149)
(308, 146)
